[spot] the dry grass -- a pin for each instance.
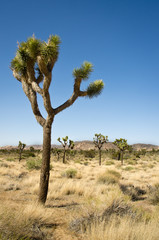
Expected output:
(85, 196)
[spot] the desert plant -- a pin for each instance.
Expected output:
(107, 178)
(99, 140)
(33, 65)
(21, 147)
(70, 173)
(122, 145)
(89, 153)
(65, 144)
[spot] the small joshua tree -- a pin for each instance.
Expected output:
(21, 147)
(32, 67)
(122, 145)
(99, 140)
(64, 143)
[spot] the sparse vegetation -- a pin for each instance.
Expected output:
(84, 202)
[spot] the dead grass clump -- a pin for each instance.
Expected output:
(122, 228)
(135, 193)
(154, 194)
(70, 173)
(23, 223)
(109, 177)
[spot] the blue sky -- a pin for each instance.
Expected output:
(120, 38)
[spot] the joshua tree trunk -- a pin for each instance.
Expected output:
(45, 167)
(64, 156)
(100, 161)
(121, 157)
(20, 155)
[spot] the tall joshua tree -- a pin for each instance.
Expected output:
(21, 147)
(33, 65)
(122, 145)
(99, 140)
(64, 143)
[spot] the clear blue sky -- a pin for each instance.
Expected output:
(120, 38)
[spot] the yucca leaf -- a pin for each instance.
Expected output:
(95, 88)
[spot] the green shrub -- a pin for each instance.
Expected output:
(70, 173)
(28, 154)
(34, 164)
(114, 173)
(107, 178)
(89, 153)
(10, 159)
(131, 162)
(109, 162)
(128, 168)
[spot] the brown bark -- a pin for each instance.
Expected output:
(64, 156)
(45, 167)
(121, 157)
(100, 161)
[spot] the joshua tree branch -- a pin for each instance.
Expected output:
(16, 75)
(67, 104)
(31, 94)
(47, 103)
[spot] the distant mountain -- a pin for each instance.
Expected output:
(87, 145)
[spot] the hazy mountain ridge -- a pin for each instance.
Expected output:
(87, 145)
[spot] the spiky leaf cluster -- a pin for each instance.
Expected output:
(21, 145)
(99, 140)
(95, 88)
(28, 52)
(83, 72)
(50, 50)
(121, 144)
(71, 144)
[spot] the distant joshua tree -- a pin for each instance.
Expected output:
(32, 67)
(64, 143)
(99, 140)
(21, 147)
(122, 145)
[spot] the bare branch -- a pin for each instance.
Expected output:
(31, 94)
(47, 103)
(82, 93)
(36, 88)
(16, 75)
(68, 103)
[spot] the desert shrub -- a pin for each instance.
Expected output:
(10, 159)
(89, 153)
(154, 194)
(109, 162)
(128, 168)
(86, 163)
(70, 173)
(135, 193)
(33, 164)
(28, 154)
(107, 178)
(114, 173)
(131, 162)
(77, 161)
(115, 155)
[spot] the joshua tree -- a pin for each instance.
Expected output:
(122, 145)
(56, 151)
(21, 147)
(32, 66)
(99, 140)
(64, 143)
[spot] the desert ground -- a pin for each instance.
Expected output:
(85, 201)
